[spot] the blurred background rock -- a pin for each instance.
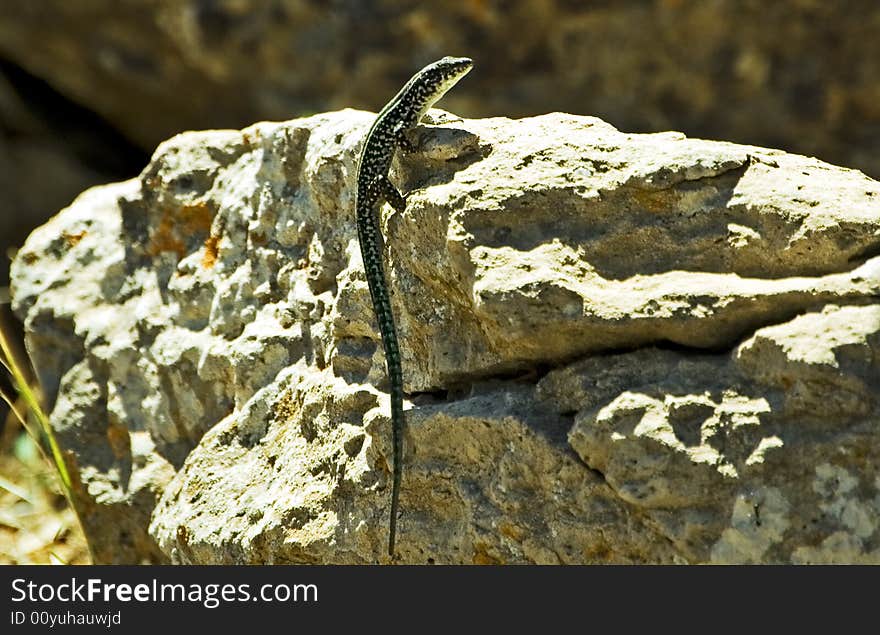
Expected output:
(89, 88)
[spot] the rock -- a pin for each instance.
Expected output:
(764, 455)
(799, 75)
(618, 348)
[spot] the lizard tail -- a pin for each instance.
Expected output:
(382, 305)
(395, 377)
(397, 423)
(372, 256)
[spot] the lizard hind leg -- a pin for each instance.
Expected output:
(391, 194)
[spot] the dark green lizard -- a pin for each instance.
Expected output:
(388, 133)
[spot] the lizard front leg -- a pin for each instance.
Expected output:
(402, 140)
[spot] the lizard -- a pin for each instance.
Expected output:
(386, 135)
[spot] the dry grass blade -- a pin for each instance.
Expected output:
(43, 533)
(22, 419)
(15, 490)
(54, 558)
(33, 405)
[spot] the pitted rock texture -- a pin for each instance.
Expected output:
(618, 348)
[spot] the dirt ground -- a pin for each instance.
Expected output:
(36, 524)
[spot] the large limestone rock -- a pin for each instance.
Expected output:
(618, 348)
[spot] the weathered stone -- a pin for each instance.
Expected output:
(568, 297)
(762, 456)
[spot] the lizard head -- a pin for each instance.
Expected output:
(444, 73)
(433, 81)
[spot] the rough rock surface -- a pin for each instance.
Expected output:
(618, 347)
(799, 74)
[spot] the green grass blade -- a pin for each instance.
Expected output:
(33, 405)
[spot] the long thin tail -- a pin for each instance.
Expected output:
(382, 305)
(371, 253)
(395, 373)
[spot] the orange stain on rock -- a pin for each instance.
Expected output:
(177, 226)
(72, 239)
(211, 251)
